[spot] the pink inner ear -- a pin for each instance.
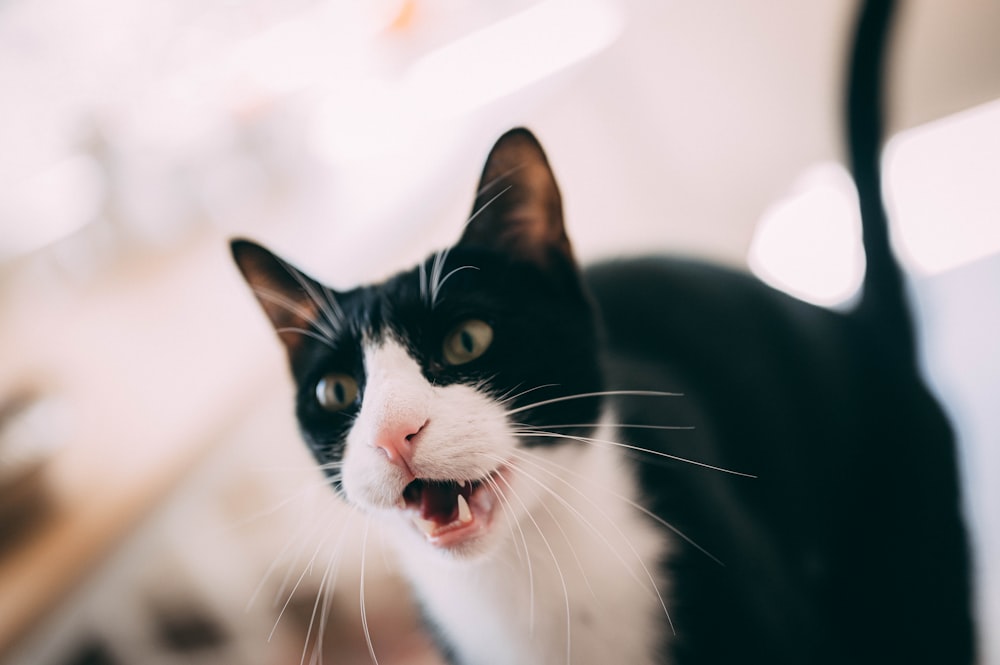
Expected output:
(279, 288)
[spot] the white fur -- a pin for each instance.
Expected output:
(464, 429)
(564, 536)
(605, 551)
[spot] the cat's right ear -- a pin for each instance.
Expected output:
(293, 301)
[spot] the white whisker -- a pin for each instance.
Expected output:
(485, 187)
(298, 582)
(486, 205)
(334, 558)
(266, 512)
(335, 309)
(555, 520)
(542, 428)
(602, 393)
(527, 552)
(294, 308)
(422, 281)
(587, 439)
(555, 561)
(634, 504)
(510, 395)
(612, 522)
(307, 333)
(439, 285)
(332, 313)
(301, 534)
(361, 593)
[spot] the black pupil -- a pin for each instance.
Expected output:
(467, 342)
(338, 392)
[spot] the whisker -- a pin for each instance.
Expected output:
(566, 504)
(440, 285)
(676, 458)
(245, 521)
(601, 393)
(510, 521)
(422, 281)
(430, 285)
(508, 397)
(335, 307)
(312, 617)
(269, 571)
(496, 196)
(500, 178)
(527, 552)
(634, 504)
(334, 317)
(307, 333)
(614, 525)
(437, 267)
(294, 308)
(617, 424)
(361, 592)
(555, 520)
(324, 615)
(298, 582)
(299, 537)
(555, 561)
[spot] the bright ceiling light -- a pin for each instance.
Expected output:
(942, 188)
(809, 244)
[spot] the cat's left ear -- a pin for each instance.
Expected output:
(518, 208)
(289, 297)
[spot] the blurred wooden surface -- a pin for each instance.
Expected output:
(149, 372)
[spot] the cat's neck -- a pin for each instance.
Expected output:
(549, 584)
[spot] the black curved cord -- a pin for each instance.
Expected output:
(883, 304)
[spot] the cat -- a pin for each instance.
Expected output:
(645, 461)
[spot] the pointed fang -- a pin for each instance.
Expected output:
(425, 526)
(464, 514)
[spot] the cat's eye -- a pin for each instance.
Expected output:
(467, 342)
(336, 392)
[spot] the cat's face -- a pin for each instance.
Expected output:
(421, 397)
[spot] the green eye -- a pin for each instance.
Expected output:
(336, 392)
(467, 342)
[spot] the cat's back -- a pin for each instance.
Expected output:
(721, 329)
(800, 398)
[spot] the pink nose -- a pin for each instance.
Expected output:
(397, 440)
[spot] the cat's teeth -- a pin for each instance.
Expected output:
(464, 514)
(461, 483)
(427, 526)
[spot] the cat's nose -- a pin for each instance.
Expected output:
(397, 440)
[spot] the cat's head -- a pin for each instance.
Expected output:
(421, 396)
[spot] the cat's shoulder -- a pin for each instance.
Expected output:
(678, 298)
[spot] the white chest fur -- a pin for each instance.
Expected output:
(575, 581)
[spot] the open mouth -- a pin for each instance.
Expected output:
(450, 512)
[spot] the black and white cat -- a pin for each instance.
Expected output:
(648, 461)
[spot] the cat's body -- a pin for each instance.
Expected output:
(857, 553)
(651, 461)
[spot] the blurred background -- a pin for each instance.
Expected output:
(155, 503)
